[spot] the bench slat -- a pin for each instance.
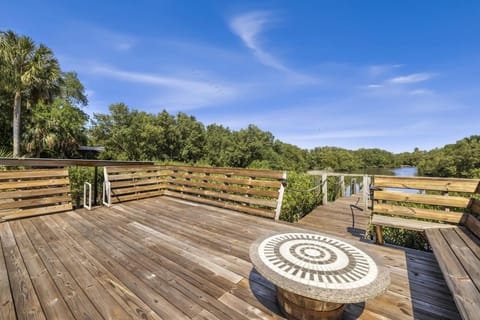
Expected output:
(459, 202)
(411, 224)
(434, 184)
(471, 240)
(447, 216)
(464, 254)
(465, 293)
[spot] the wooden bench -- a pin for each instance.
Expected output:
(257, 192)
(25, 193)
(452, 231)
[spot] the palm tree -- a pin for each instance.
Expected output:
(25, 67)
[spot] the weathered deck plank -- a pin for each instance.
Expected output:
(161, 258)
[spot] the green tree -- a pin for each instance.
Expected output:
(191, 134)
(24, 67)
(55, 130)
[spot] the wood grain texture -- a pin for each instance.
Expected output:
(447, 216)
(473, 224)
(33, 192)
(410, 224)
(426, 183)
(156, 259)
(250, 191)
(460, 267)
(439, 200)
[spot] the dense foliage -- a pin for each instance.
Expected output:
(39, 104)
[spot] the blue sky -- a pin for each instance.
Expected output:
(389, 74)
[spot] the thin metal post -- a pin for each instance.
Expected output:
(89, 186)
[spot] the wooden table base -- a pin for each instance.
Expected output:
(297, 307)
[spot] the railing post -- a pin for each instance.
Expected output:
(342, 186)
(353, 186)
(366, 192)
(324, 189)
(280, 196)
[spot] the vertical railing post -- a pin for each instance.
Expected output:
(324, 189)
(366, 191)
(280, 196)
(342, 186)
(353, 186)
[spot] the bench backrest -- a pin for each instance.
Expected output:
(25, 193)
(257, 192)
(452, 198)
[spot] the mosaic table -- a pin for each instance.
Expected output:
(316, 275)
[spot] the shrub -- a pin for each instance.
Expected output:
(297, 203)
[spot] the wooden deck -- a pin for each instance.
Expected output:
(161, 258)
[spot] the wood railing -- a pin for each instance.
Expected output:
(257, 192)
(61, 163)
(25, 193)
(362, 181)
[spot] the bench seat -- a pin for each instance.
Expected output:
(457, 252)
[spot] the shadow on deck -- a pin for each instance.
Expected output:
(161, 258)
(418, 288)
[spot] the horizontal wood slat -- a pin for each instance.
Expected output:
(26, 193)
(39, 173)
(33, 202)
(138, 189)
(137, 196)
(230, 180)
(18, 194)
(222, 204)
(225, 196)
(271, 174)
(410, 224)
(425, 183)
(447, 216)
(228, 187)
(35, 212)
(439, 200)
(33, 183)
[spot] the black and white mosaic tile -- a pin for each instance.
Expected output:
(317, 260)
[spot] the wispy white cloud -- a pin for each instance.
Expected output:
(180, 92)
(420, 92)
(411, 78)
(381, 69)
(248, 27)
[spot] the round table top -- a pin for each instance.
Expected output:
(319, 267)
